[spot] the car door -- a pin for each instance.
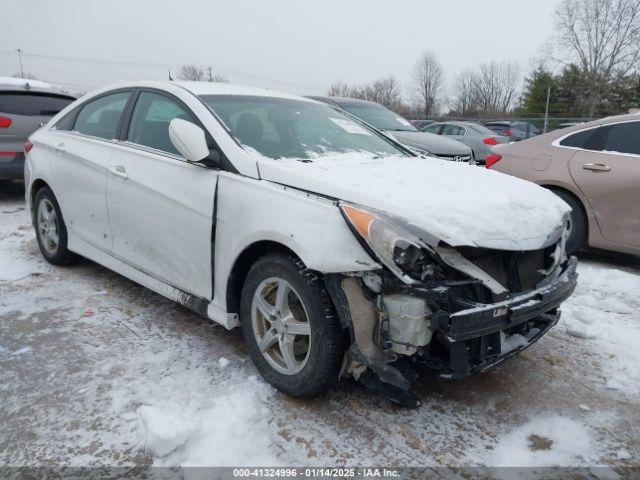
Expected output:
(609, 179)
(82, 143)
(160, 206)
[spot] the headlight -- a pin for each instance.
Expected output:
(398, 250)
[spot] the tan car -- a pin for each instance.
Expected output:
(595, 168)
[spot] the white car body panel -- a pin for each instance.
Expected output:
(155, 226)
(163, 210)
(434, 195)
(79, 174)
(251, 211)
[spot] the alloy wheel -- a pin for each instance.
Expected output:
(47, 221)
(281, 326)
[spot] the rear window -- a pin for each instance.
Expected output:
(33, 104)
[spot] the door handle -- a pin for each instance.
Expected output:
(596, 167)
(119, 172)
(59, 148)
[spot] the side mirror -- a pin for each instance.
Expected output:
(189, 140)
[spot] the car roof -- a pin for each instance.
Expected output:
(201, 88)
(213, 88)
(630, 117)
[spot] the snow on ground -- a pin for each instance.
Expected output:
(99, 371)
(605, 310)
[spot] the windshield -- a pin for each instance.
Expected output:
(288, 128)
(379, 117)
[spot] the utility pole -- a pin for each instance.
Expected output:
(546, 112)
(210, 73)
(19, 50)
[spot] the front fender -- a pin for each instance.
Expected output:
(251, 211)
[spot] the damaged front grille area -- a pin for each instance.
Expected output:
(472, 308)
(517, 271)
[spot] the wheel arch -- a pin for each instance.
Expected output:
(243, 263)
(578, 199)
(37, 185)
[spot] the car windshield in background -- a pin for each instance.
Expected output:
(379, 117)
(288, 128)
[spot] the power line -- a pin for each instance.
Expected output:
(163, 66)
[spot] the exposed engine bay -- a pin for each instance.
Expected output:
(457, 310)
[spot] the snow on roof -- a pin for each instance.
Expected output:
(27, 83)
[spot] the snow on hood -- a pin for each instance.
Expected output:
(457, 203)
(436, 144)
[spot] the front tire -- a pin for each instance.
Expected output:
(290, 327)
(51, 231)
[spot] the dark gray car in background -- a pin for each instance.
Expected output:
(395, 125)
(25, 106)
(513, 130)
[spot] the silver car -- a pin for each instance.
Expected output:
(25, 106)
(479, 138)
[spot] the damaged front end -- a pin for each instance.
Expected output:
(457, 310)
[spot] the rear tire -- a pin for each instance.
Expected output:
(51, 231)
(579, 232)
(281, 297)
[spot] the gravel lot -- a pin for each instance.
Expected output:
(96, 370)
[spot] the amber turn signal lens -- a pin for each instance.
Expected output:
(360, 219)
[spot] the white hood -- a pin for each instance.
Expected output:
(457, 203)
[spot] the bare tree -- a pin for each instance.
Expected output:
(338, 89)
(215, 77)
(191, 72)
(495, 86)
(385, 91)
(602, 36)
(463, 101)
(426, 83)
(490, 89)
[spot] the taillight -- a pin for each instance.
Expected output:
(492, 159)
(490, 141)
(27, 146)
(507, 133)
(5, 122)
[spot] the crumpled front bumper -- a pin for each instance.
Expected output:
(474, 336)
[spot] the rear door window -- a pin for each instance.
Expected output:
(101, 117)
(33, 104)
(623, 138)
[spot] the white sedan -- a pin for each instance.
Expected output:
(338, 251)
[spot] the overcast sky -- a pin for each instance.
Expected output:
(298, 46)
